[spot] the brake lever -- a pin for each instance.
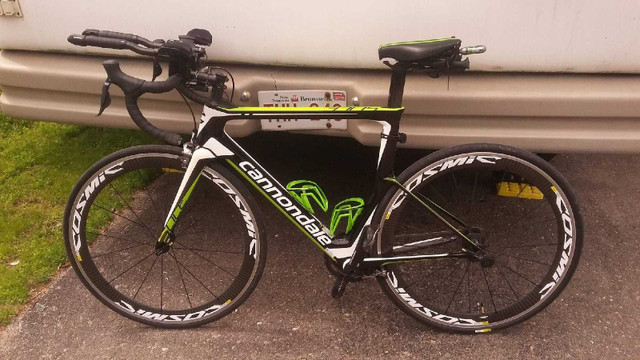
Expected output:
(157, 69)
(105, 98)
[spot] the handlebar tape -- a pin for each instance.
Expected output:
(123, 36)
(104, 42)
(90, 40)
(131, 103)
(133, 88)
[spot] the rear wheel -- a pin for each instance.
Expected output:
(115, 215)
(514, 205)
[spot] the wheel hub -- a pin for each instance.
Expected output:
(478, 253)
(163, 247)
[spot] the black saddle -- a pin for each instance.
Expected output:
(420, 51)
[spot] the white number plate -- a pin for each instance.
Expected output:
(303, 98)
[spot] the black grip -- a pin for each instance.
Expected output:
(109, 43)
(90, 40)
(123, 36)
(157, 87)
(131, 102)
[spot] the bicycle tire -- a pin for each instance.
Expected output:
(121, 202)
(498, 294)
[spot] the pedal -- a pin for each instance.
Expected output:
(349, 210)
(519, 190)
(338, 287)
(305, 190)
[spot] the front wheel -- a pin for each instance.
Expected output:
(115, 215)
(517, 208)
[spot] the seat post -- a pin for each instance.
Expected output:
(396, 88)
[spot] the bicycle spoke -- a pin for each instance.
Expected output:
(475, 183)
(529, 224)
(455, 184)
(209, 261)
(517, 273)
(193, 233)
(121, 216)
(216, 251)
(484, 275)
(184, 285)
(117, 238)
(175, 256)
(519, 258)
(130, 209)
(457, 287)
(469, 292)
(429, 274)
(145, 278)
(519, 224)
(509, 284)
(118, 250)
(144, 186)
(132, 266)
(437, 193)
(529, 245)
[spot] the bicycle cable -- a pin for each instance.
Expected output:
(193, 116)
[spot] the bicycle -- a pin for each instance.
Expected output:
(472, 238)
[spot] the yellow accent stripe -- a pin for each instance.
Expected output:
(415, 42)
(311, 109)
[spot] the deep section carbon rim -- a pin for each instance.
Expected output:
(518, 214)
(116, 217)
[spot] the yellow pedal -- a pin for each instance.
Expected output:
(519, 190)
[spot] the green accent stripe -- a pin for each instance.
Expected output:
(311, 109)
(278, 207)
(188, 194)
(173, 219)
(415, 42)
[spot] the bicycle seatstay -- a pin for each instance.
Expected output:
(214, 144)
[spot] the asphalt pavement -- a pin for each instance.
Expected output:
(292, 315)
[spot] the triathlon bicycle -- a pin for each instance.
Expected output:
(471, 238)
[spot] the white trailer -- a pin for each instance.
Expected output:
(558, 75)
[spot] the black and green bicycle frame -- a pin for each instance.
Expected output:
(212, 143)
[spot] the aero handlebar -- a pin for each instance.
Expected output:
(133, 88)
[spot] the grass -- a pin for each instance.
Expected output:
(39, 165)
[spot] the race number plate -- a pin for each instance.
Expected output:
(303, 98)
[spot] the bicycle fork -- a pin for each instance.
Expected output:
(200, 156)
